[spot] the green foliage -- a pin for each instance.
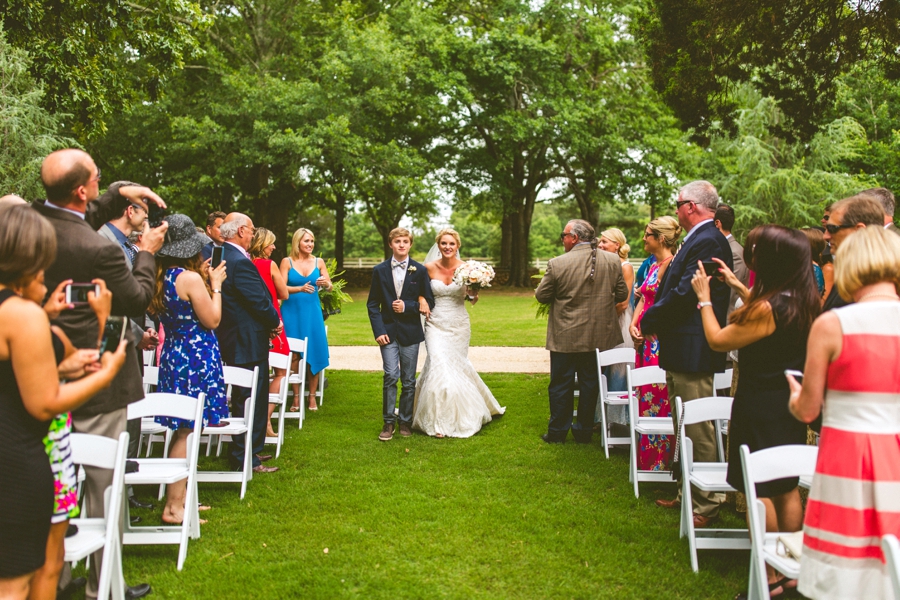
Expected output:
(333, 300)
(545, 230)
(27, 131)
(793, 51)
(361, 238)
(96, 57)
(771, 180)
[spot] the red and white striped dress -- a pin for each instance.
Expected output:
(855, 496)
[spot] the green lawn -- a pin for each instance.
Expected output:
(499, 515)
(501, 318)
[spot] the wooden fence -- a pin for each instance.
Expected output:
(537, 263)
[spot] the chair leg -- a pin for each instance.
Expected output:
(634, 469)
(605, 427)
(280, 429)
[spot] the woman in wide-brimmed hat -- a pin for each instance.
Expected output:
(188, 302)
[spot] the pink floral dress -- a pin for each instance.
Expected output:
(653, 400)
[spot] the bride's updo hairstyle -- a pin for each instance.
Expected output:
(452, 233)
(667, 231)
(614, 234)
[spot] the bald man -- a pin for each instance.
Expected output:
(72, 182)
(248, 320)
(11, 200)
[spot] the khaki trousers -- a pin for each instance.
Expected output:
(691, 386)
(95, 483)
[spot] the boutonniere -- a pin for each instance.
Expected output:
(411, 269)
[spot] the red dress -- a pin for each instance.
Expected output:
(264, 266)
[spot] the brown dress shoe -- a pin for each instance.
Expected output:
(405, 430)
(387, 432)
(264, 469)
(668, 503)
(700, 521)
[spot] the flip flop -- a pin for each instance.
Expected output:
(295, 409)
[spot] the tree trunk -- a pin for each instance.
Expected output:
(340, 214)
(505, 242)
(519, 227)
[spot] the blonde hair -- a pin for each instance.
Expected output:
(452, 233)
(615, 235)
(295, 240)
(871, 255)
(262, 239)
(667, 231)
(399, 232)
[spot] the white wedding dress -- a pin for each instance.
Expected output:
(451, 399)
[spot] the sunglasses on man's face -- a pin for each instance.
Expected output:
(563, 235)
(833, 229)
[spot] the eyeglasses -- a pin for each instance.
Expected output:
(833, 229)
(97, 178)
(680, 203)
(563, 235)
(825, 218)
(648, 234)
(137, 207)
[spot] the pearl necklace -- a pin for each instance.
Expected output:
(878, 295)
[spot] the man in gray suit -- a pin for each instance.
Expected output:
(582, 288)
(724, 221)
(885, 197)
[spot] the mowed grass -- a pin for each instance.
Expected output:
(502, 317)
(498, 515)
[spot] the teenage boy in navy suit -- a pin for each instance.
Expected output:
(397, 285)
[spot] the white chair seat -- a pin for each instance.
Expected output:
(236, 426)
(710, 477)
(91, 537)
(616, 399)
(652, 426)
(806, 481)
(158, 470)
(785, 565)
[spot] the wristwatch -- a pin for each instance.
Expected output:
(702, 304)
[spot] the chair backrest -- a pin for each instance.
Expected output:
(645, 376)
(95, 450)
(149, 356)
(151, 376)
(280, 361)
(891, 548)
(616, 356)
(297, 345)
(240, 377)
(703, 409)
(161, 404)
(722, 381)
(779, 462)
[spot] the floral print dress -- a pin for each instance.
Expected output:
(653, 400)
(190, 361)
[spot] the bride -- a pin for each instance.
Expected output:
(451, 399)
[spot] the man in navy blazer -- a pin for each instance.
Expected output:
(248, 320)
(675, 319)
(397, 285)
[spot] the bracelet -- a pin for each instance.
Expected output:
(702, 304)
(217, 291)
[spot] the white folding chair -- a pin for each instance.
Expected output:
(153, 431)
(149, 357)
(891, 548)
(244, 378)
(96, 533)
(298, 348)
(320, 389)
(709, 477)
(616, 356)
(766, 465)
(722, 381)
(169, 470)
(645, 425)
(280, 361)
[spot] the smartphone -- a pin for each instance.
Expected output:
(217, 253)
(712, 268)
(77, 293)
(155, 215)
(797, 374)
(113, 334)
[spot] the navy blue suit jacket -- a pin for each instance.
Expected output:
(248, 314)
(404, 328)
(674, 317)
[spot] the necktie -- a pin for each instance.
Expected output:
(395, 264)
(398, 275)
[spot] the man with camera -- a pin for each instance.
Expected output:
(72, 181)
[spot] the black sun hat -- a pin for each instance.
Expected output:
(182, 238)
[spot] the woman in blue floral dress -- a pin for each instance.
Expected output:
(188, 302)
(660, 238)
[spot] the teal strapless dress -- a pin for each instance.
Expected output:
(302, 317)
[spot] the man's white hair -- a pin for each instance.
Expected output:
(702, 193)
(229, 229)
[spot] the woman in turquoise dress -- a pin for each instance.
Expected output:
(302, 311)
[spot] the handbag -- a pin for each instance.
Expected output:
(790, 545)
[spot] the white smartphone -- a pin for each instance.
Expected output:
(77, 293)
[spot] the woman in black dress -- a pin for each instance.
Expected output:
(771, 332)
(30, 395)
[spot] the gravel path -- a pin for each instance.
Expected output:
(486, 359)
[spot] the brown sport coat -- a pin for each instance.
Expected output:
(82, 255)
(583, 311)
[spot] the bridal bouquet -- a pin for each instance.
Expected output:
(474, 274)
